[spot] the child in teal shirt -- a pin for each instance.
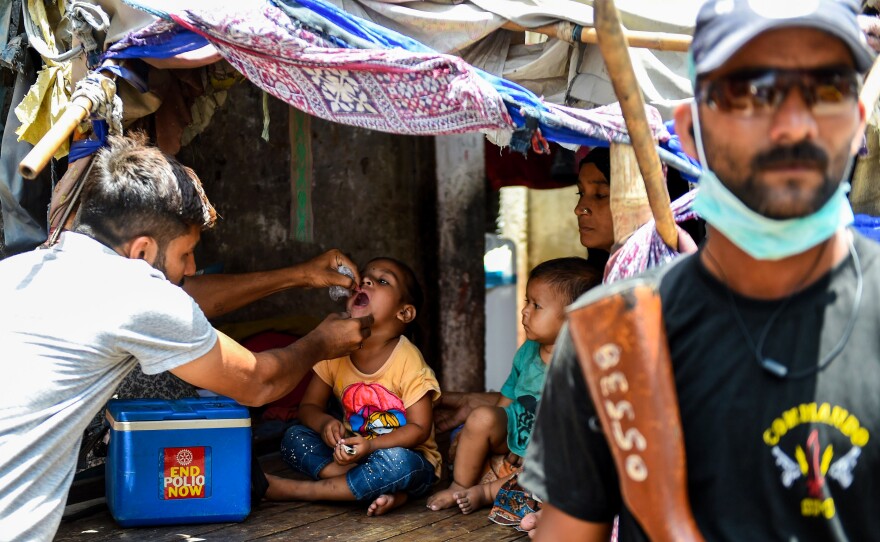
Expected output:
(506, 427)
(522, 391)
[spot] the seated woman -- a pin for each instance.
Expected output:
(593, 208)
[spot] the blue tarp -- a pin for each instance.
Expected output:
(869, 226)
(182, 41)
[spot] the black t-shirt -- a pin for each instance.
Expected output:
(767, 458)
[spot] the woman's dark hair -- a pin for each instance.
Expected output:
(601, 158)
(598, 257)
(569, 277)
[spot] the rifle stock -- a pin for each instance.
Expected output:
(621, 345)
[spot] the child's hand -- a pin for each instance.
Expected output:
(514, 459)
(332, 432)
(361, 447)
(452, 410)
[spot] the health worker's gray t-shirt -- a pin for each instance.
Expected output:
(74, 320)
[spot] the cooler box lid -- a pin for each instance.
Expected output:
(198, 412)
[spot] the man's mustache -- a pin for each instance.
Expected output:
(799, 153)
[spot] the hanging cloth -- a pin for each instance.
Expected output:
(645, 248)
(45, 102)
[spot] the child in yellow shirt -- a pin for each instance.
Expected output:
(383, 450)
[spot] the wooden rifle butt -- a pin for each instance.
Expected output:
(622, 349)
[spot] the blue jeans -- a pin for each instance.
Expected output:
(381, 473)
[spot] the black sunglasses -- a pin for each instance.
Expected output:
(827, 91)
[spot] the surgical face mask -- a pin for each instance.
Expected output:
(760, 237)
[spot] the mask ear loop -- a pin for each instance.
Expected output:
(698, 135)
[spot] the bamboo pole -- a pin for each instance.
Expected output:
(44, 150)
(572, 33)
(74, 113)
(616, 54)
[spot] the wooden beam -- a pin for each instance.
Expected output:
(74, 113)
(629, 199)
(572, 33)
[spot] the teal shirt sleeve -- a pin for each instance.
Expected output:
(509, 388)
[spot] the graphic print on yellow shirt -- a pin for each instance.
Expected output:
(815, 461)
(372, 410)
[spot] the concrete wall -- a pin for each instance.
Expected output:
(374, 194)
(542, 225)
(552, 225)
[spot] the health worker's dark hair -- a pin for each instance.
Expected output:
(134, 189)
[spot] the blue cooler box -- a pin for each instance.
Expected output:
(185, 461)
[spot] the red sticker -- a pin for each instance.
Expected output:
(184, 473)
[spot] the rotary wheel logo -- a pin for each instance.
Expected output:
(184, 457)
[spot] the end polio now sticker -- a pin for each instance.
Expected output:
(186, 473)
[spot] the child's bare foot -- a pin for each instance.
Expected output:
(386, 503)
(446, 498)
(474, 498)
(281, 489)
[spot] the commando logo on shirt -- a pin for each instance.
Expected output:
(816, 462)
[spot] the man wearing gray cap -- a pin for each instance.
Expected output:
(772, 327)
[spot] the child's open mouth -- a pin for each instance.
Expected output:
(361, 300)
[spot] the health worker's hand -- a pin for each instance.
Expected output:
(340, 334)
(322, 271)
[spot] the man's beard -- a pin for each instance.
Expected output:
(159, 264)
(760, 198)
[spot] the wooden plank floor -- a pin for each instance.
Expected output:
(306, 522)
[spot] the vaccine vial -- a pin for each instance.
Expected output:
(338, 292)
